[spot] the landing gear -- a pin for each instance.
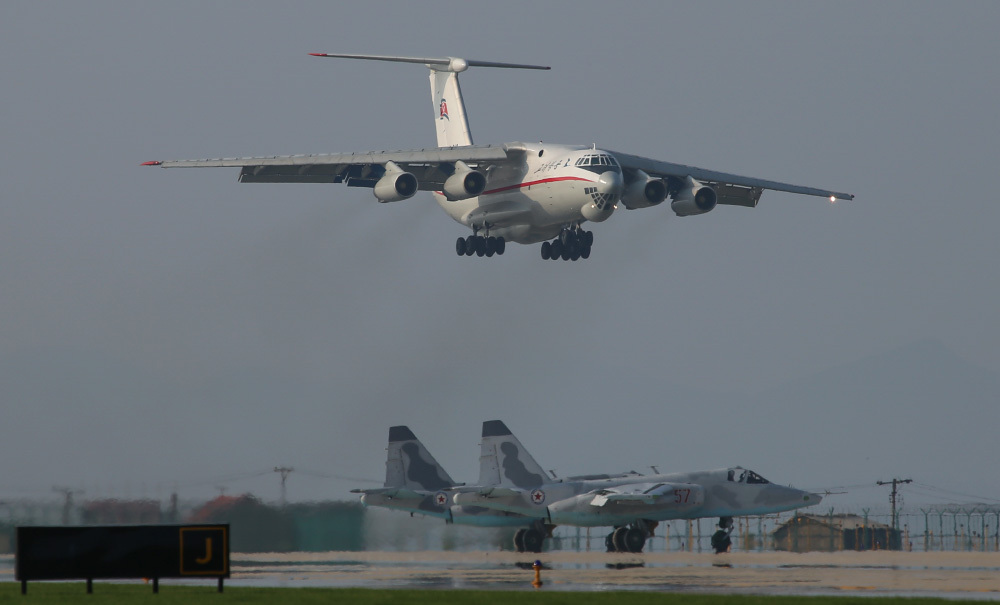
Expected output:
(480, 246)
(529, 540)
(628, 538)
(572, 244)
(721, 542)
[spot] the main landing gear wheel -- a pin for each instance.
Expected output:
(480, 246)
(572, 244)
(628, 538)
(533, 540)
(519, 540)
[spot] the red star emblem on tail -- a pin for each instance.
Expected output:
(443, 111)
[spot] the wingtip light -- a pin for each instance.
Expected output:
(153, 163)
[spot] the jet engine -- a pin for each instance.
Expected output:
(395, 185)
(694, 198)
(464, 183)
(645, 191)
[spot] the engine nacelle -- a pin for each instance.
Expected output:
(644, 192)
(464, 183)
(694, 198)
(395, 185)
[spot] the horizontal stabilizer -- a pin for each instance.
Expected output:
(441, 63)
(500, 492)
(391, 493)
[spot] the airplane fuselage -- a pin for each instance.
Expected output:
(717, 493)
(530, 202)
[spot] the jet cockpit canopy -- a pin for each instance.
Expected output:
(741, 475)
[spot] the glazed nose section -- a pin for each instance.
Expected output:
(611, 184)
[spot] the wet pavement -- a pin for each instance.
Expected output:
(950, 575)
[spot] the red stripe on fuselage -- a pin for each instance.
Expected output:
(541, 182)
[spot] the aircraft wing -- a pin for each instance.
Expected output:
(731, 189)
(431, 166)
(659, 494)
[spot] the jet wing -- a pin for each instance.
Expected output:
(431, 166)
(730, 189)
(649, 494)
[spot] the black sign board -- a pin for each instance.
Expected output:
(122, 551)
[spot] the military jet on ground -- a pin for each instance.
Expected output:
(632, 504)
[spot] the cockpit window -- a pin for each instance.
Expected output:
(740, 475)
(599, 159)
(598, 163)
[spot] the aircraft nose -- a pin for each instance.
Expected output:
(611, 183)
(810, 499)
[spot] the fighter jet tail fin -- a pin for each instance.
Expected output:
(409, 464)
(503, 460)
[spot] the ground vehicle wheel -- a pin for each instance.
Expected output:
(533, 540)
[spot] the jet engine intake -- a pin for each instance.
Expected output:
(644, 191)
(464, 183)
(694, 198)
(395, 185)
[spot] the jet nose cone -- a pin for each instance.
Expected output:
(611, 183)
(810, 499)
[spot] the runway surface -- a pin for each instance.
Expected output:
(955, 575)
(950, 575)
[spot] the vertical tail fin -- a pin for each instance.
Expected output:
(452, 125)
(504, 461)
(410, 465)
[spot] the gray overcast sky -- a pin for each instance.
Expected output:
(164, 329)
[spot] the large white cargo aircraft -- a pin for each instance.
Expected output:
(519, 192)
